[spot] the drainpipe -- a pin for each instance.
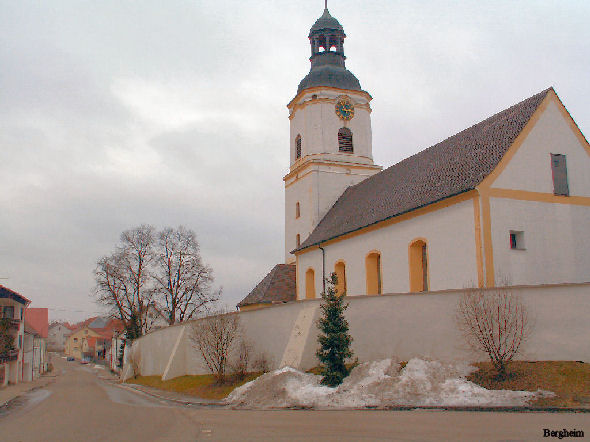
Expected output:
(323, 269)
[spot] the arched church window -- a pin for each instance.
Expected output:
(373, 270)
(298, 147)
(418, 259)
(298, 240)
(310, 284)
(345, 140)
(297, 210)
(340, 270)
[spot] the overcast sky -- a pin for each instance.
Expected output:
(118, 113)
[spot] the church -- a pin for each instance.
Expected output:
(504, 202)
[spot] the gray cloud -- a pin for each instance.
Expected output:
(114, 114)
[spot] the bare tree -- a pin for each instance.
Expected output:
(495, 322)
(123, 279)
(181, 277)
(214, 338)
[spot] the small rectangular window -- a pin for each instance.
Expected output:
(8, 312)
(20, 341)
(517, 240)
(559, 172)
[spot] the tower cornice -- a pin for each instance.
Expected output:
(316, 89)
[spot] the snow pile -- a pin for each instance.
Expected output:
(377, 384)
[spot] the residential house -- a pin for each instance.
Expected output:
(12, 307)
(58, 333)
(35, 358)
(93, 340)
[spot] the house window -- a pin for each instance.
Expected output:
(340, 270)
(310, 284)
(298, 147)
(298, 240)
(297, 210)
(517, 240)
(345, 140)
(373, 270)
(75, 339)
(8, 312)
(559, 172)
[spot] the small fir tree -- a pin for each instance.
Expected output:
(334, 339)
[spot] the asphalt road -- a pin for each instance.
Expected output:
(80, 406)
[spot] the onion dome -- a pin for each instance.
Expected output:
(327, 57)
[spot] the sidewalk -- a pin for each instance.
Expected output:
(11, 391)
(172, 396)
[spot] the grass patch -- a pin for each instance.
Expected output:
(569, 380)
(203, 386)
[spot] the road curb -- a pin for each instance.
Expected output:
(186, 403)
(499, 409)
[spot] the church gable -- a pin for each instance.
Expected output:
(451, 167)
(551, 156)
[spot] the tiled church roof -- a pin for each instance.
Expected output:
(453, 166)
(277, 286)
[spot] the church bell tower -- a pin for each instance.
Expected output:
(330, 135)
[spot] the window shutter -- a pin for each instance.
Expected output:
(559, 171)
(345, 140)
(298, 147)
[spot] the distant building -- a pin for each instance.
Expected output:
(92, 340)
(58, 333)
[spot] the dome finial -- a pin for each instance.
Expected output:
(325, 4)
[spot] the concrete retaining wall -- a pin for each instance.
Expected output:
(404, 325)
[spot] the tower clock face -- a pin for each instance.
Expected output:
(344, 108)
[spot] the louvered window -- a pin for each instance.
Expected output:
(298, 147)
(559, 171)
(345, 140)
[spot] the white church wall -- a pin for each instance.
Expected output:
(530, 167)
(402, 325)
(556, 242)
(450, 237)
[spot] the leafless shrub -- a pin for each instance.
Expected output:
(261, 363)
(242, 360)
(135, 361)
(495, 322)
(214, 337)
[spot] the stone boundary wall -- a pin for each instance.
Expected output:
(405, 325)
